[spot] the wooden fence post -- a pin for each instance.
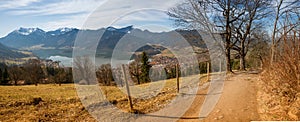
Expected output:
(208, 69)
(177, 77)
(127, 87)
(220, 66)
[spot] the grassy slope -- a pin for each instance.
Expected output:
(60, 103)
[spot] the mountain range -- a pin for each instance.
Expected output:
(10, 53)
(28, 38)
(61, 41)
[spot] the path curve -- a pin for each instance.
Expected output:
(237, 102)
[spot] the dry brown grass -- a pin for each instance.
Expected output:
(280, 87)
(61, 103)
(149, 98)
(167, 53)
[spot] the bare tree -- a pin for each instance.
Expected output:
(135, 70)
(243, 28)
(201, 14)
(117, 75)
(285, 11)
(84, 69)
(15, 74)
(60, 75)
(259, 47)
(104, 74)
(34, 71)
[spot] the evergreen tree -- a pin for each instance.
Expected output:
(5, 76)
(69, 76)
(1, 78)
(145, 68)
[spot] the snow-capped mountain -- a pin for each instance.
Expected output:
(124, 30)
(59, 31)
(24, 38)
(61, 41)
(40, 42)
(28, 31)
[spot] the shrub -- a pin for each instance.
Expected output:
(281, 80)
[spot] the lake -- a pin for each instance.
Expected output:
(67, 61)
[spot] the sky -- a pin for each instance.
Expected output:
(84, 14)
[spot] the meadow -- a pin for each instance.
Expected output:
(52, 102)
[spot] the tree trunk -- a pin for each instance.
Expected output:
(242, 57)
(228, 68)
(242, 63)
(273, 48)
(274, 32)
(138, 79)
(261, 62)
(228, 38)
(137, 73)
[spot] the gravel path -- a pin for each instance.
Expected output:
(237, 102)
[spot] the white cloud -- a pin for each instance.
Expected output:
(63, 7)
(69, 21)
(94, 14)
(8, 4)
(144, 16)
(143, 11)
(68, 13)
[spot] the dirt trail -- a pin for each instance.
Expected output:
(237, 103)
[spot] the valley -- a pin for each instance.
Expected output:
(60, 42)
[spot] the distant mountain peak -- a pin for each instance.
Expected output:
(125, 29)
(111, 29)
(65, 29)
(60, 31)
(28, 31)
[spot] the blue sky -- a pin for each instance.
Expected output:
(84, 14)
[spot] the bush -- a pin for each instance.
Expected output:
(281, 81)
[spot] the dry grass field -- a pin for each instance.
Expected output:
(41, 103)
(61, 103)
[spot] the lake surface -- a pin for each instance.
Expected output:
(67, 61)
